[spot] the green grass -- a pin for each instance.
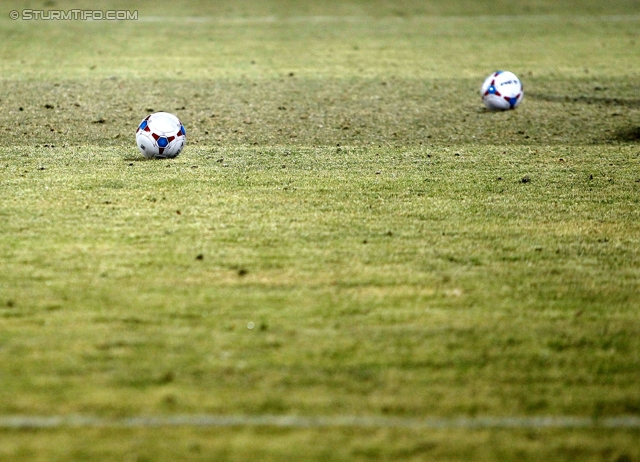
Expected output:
(347, 233)
(335, 444)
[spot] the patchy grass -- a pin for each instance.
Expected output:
(348, 232)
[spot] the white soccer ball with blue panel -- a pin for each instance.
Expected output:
(161, 136)
(502, 90)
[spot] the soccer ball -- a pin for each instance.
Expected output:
(502, 90)
(161, 136)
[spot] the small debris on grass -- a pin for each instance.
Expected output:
(200, 257)
(525, 179)
(242, 272)
(48, 106)
(167, 377)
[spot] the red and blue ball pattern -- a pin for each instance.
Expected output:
(161, 135)
(501, 91)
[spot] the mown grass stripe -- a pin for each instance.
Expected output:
(311, 19)
(205, 420)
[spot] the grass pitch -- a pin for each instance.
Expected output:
(347, 233)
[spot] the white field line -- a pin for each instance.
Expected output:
(240, 20)
(206, 420)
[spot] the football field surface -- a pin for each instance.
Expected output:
(351, 260)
